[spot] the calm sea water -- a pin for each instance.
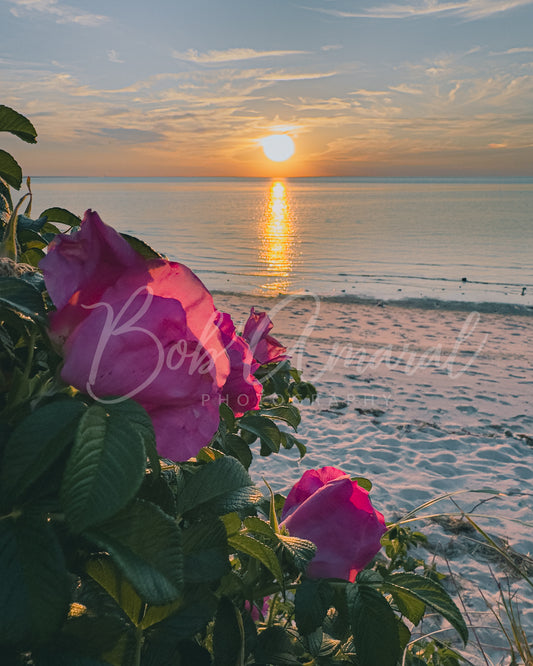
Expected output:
(387, 239)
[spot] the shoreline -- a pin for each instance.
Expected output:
(426, 303)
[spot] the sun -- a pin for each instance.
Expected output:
(278, 147)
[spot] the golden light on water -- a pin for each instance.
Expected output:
(277, 239)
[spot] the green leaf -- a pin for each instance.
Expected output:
(409, 605)
(274, 646)
(301, 550)
(221, 486)
(431, 593)
(363, 483)
(10, 170)
(142, 423)
(6, 204)
(195, 610)
(106, 574)
(227, 415)
(259, 551)
(228, 635)
(25, 223)
(141, 247)
(36, 443)
(288, 440)
(146, 545)
(288, 413)
(168, 649)
(312, 601)
(374, 626)
(105, 468)
(371, 578)
(403, 633)
(34, 593)
(238, 448)
(262, 427)
(260, 527)
(232, 523)
(205, 547)
(61, 216)
(17, 124)
(32, 256)
(21, 296)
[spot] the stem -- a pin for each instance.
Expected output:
(16, 513)
(8, 246)
(31, 350)
(138, 646)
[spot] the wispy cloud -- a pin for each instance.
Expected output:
(369, 93)
(112, 56)
(408, 90)
(473, 9)
(62, 13)
(229, 55)
(282, 76)
(518, 49)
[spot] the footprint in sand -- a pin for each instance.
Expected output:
(466, 409)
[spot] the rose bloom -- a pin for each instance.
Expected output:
(265, 348)
(144, 329)
(326, 507)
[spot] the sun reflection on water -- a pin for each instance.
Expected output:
(276, 253)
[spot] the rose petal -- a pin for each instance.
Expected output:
(91, 258)
(242, 391)
(336, 514)
(265, 348)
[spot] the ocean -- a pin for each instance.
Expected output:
(433, 240)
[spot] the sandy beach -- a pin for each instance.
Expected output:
(422, 402)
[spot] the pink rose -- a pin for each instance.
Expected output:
(141, 329)
(265, 348)
(242, 391)
(326, 507)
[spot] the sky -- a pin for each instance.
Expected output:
(369, 88)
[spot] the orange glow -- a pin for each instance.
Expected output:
(276, 252)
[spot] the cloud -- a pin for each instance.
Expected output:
(272, 76)
(129, 136)
(113, 56)
(472, 9)
(408, 90)
(369, 93)
(519, 49)
(62, 13)
(214, 57)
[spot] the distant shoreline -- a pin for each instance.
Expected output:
(405, 303)
(470, 180)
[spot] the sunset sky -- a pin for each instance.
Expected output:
(364, 88)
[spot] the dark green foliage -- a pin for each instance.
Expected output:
(374, 626)
(311, 603)
(105, 468)
(228, 635)
(19, 295)
(34, 589)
